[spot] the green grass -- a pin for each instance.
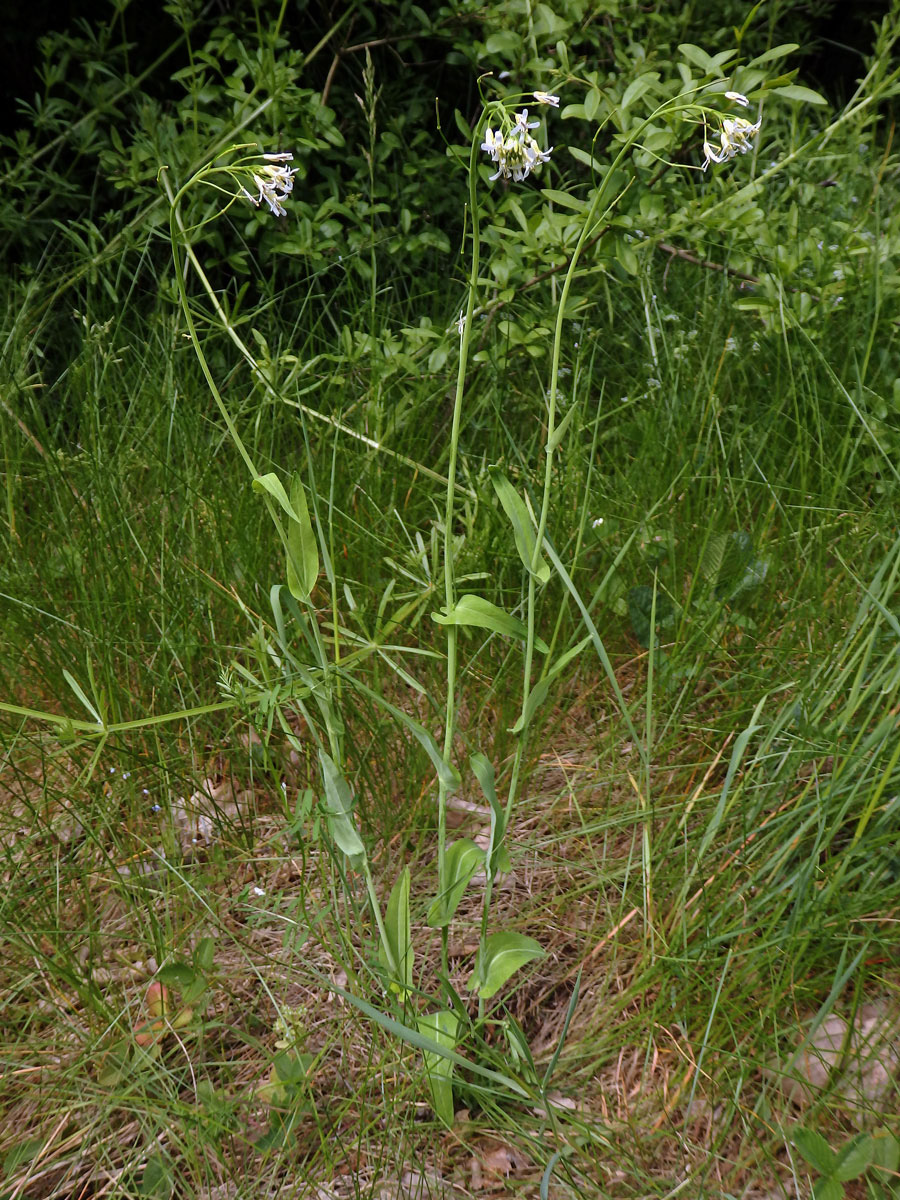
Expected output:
(714, 886)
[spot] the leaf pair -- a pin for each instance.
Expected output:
(837, 1167)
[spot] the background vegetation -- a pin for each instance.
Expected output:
(709, 861)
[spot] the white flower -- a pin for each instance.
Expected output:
(522, 125)
(534, 154)
(268, 192)
(738, 98)
(281, 156)
(461, 323)
(493, 143)
(596, 523)
(546, 98)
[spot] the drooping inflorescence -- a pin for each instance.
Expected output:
(275, 182)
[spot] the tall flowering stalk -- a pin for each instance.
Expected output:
(511, 146)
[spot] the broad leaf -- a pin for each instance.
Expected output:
(854, 1157)
(772, 55)
(814, 1149)
(564, 199)
(500, 956)
(397, 956)
(339, 812)
(462, 861)
(303, 554)
(475, 611)
(804, 95)
(885, 1150)
(275, 488)
(442, 1028)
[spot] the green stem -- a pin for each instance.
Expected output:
(449, 585)
(177, 233)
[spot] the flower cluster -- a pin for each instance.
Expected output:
(275, 183)
(736, 135)
(513, 148)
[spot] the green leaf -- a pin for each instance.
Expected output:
(827, 1188)
(428, 1045)
(339, 812)
(775, 53)
(275, 488)
(176, 974)
(22, 1152)
(204, 953)
(640, 611)
(500, 956)
(291, 1067)
(397, 955)
(854, 1157)
(804, 95)
(538, 693)
(157, 1180)
(885, 1150)
(479, 613)
(814, 1149)
(79, 692)
(697, 56)
(637, 88)
(462, 861)
(441, 1027)
(520, 519)
(711, 563)
(561, 429)
(496, 858)
(588, 160)
(302, 551)
(564, 199)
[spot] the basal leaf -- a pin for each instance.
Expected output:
(499, 957)
(441, 1027)
(397, 956)
(814, 1149)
